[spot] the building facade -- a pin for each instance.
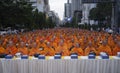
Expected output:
(82, 11)
(76, 5)
(85, 12)
(118, 3)
(54, 16)
(67, 10)
(79, 10)
(41, 5)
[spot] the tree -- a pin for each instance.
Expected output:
(101, 13)
(50, 23)
(93, 14)
(15, 12)
(20, 14)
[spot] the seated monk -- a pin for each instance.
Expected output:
(111, 42)
(65, 50)
(2, 52)
(77, 50)
(53, 43)
(43, 50)
(58, 48)
(104, 48)
(42, 43)
(34, 49)
(51, 50)
(70, 44)
(23, 49)
(116, 49)
(62, 48)
(89, 49)
(11, 49)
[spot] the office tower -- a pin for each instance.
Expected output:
(76, 5)
(68, 9)
(41, 5)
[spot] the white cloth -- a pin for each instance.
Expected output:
(60, 66)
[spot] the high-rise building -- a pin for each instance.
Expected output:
(54, 16)
(85, 12)
(41, 5)
(76, 10)
(118, 4)
(46, 6)
(76, 5)
(67, 9)
(118, 14)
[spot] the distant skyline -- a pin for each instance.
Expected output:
(58, 7)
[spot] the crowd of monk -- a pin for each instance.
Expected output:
(61, 40)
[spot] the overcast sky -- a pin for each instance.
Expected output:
(58, 6)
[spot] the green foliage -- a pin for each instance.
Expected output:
(50, 23)
(102, 12)
(93, 14)
(72, 24)
(14, 12)
(20, 14)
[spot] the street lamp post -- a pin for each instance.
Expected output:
(114, 15)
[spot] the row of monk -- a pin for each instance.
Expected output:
(61, 40)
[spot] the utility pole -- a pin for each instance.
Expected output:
(114, 15)
(68, 1)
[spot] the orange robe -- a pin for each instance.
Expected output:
(41, 45)
(4, 42)
(70, 45)
(89, 49)
(2, 50)
(54, 44)
(106, 49)
(58, 49)
(44, 51)
(11, 50)
(115, 50)
(34, 51)
(111, 42)
(51, 51)
(79, 51)
(24, 51)
(65, 50)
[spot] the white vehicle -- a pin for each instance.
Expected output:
(3, 32)
(109, 30)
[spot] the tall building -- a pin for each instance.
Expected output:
(46, 6)
(54, 16)
(118, 15)
(85, 12)
(79, 10)
(118, 4)
(76, 5)
(67, 9)
(41, 5)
